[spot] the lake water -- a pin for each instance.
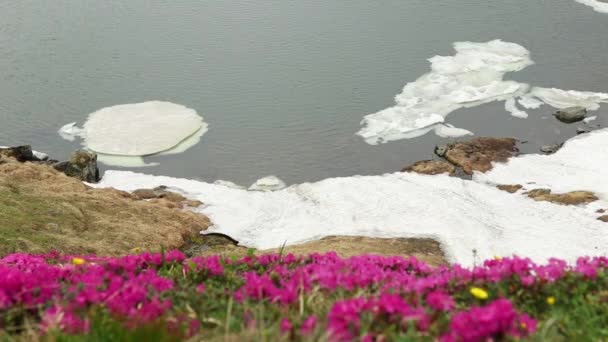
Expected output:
(283, 85)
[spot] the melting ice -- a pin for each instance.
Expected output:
(471, 77)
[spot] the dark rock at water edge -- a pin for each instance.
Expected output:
(478, 154)
(441, 150)
(431, 167)
(82, 165)
(551, 148)
(201, 244)
(22, 153)
(571, 114)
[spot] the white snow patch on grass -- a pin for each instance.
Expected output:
(462, 215)
(580, 164)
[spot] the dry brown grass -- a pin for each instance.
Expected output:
(42, 210)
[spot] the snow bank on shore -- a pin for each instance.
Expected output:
(597, 5)
(581, 164)
(463, 215)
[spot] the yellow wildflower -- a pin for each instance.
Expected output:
(496, 257)
(479, 293)
(550, 300)
(78, 261)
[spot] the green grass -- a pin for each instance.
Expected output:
(32, 223)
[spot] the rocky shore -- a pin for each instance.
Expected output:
(45, 208)
(51, 205)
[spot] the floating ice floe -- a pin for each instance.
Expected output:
(463, 215)
(511, 107)
(597, 5)
(122, 134)
(590, 119)
(474, 75)
(561, 99)
(471, 77)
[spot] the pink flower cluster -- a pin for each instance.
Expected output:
(370, 294)
(128, 287)
(498, 318)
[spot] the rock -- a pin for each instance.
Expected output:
(478, 154)
(550, 149)
(603, 218)
(431, 167)
(161, 195)
(582, 130)
(600, 211)
(268, 183)
(510, 188)
(143, 194)
(440, 150)
(22, 153)
(208, 243)
(569, 198)
(571, 114)
(82, 165)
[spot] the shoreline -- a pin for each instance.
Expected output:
(408, 205)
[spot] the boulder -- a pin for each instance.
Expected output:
(603, 218)
(582, 130)
(571, 114)
(478, 154)
(82, 165)
(161, 195)
(22, 153)
(569, 198)
(510, 188)
(431, 167)
(440, 150)
(551, 148)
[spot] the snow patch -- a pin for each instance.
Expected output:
(598, 6)
(268, 183)
(228, 184)
(580, 164)
(462, 215)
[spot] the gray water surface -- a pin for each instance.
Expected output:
(282, 84)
